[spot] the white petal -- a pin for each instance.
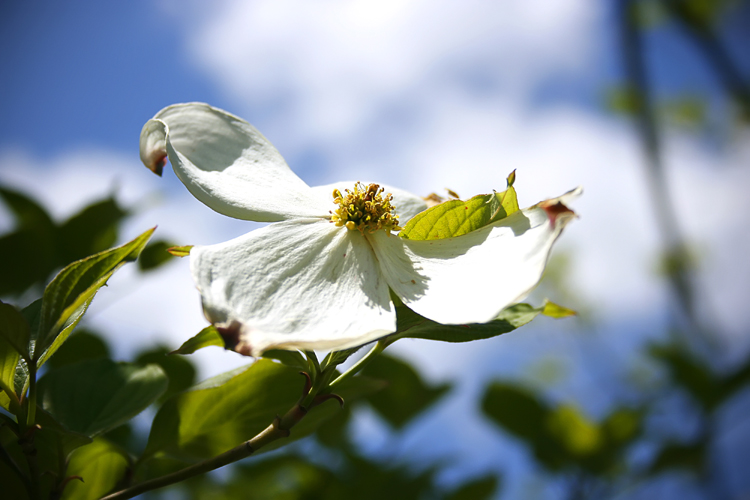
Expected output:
(407, 205)
(227, 164)
(301, 284)
(471, 278)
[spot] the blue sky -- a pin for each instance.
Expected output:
(419, 95)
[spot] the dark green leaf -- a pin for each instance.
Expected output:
(90, 231)
(101, 465)
(179, 370)
(154, 255)
(406, 395)
(295, 359)
(412, 325)
(69, 294)
(690, 457)
(94, 396)
(29, 214)
(14, 329)
(207, 337)
(482, 488)
(689, 372)
(80, 346)
(242, 403)
(26, 259)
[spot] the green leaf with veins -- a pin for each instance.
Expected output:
(100, 465)
(68, 296)
(241, 405)
(456, 217)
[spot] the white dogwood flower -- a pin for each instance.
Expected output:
(319, 276)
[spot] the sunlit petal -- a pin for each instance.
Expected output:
(301, 284)
(227, 164)
(471, 278)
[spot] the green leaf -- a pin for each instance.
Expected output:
(691, 457)
(57, 438)
(14, 329)
(519, 412)
(179, 370)
(456, 217)
(26, 258)
(80, 346)
(406, 395)
(555, 311)
(94, 396)
(29, 213)
(483, 488)
(242, 403)
(154, 255)
(295, 359)
(182, 251)
(100, 465)
(207, 337)
(690, 373)
(69, 294)
(8, 362)
(412, 325)
(90, 231)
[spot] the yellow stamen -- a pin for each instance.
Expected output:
(365, 208)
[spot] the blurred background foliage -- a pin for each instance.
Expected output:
(668, 427)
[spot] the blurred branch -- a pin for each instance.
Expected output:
(704, 36)
(680, 279)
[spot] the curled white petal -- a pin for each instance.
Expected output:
(227, 164)
(407, 205)
(471, 278)
(301, 284)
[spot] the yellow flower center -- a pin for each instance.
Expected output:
(365, 209)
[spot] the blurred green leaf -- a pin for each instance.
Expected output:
(101, 465)
(28, 213)
(624, 100)
(690, 373)
(556, 311)
(80, 346)
(690, 457)
(155, 255)
(69, 294)
(27, 255)
(483, 488)
(412, 325)
(92, 230)
(577, 434)
(207, 337)
(26, 258)
(406, 395)
(14, 329)
(94, 396)
(179, 370)
(180, 251)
